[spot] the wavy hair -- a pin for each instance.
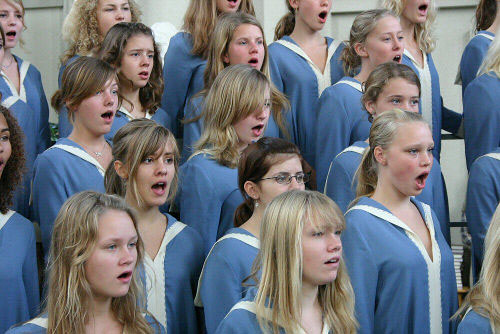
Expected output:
(235, 94)
(278, 297)
(286, 24)
(14, 168)
(134, 142)
(81, 30)
(200, 19)
(486, 13)
(423, 31)
(484, 297)
(74, 239)
(112, 52)
(491, 62)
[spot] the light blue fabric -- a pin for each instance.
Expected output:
(442, 117)
(481, 116)
(342, 183)
(292, 75)
(19, 295)
(483, 196)
(64, 124)
(183, 76)
(390, 277)
(474, 323)
(227, 266)
(473, 57)
(57, 176)
(341, 121)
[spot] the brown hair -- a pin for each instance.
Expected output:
(200, 19)
(81, 79)
(255, 161)
(112, 49)
(14, 168)
(486, 13)
(286, 24)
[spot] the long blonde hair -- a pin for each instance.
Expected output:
(280, 261)
(81, 30)
(200, 19)
(484, 297)
(74, 239)
(382, 133)
(134, 142)
(235, 94)
(423, 31)
(491, 62)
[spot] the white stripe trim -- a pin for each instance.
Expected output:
(493, 155)
(355, 85)
(4, 218)
(433, 267)
(323, 78)
(491, 38)
(23, 70)
(355, 149)
(247, 239)
(42, 322)
(81, 154)
(10, 101)
(130, 116)
(458, 79)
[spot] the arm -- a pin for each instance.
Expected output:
(471, 61)
(451, 119)
(44, 128)
(340, 187)
(30, 274)
(440, 200)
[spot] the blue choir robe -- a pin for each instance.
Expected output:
(64, 125)
(30, 108)
(39, 325)
(483, 196)
(296, 75)
(473, 322)
(208, 197)
(183, 76)
(60, 172)
(172, 276)
(19, 293)
(193, 130)
(227, 265)
(341, 121)
(481, 116)
(242, 318)
(397, 287)
(431, 103)
(473, 57)
(341, 184)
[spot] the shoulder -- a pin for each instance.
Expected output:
(239, 320)
(191, 239)
(485, 164)
(483, 83)
(23, 226)
(155, 325)
(34, 326)
(474, 323)
(182, 41)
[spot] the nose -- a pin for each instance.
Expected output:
(127, 255)
(109, 98)
(398, 44)
(161, 167)
(120, 15)
(426, 158)
(294, 185)
(334, 243)
(253, 47)
(145, 60)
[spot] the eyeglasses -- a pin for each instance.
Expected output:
(287, 178)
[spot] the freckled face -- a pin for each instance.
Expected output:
(384, 43)
(111, 12)
(397, 93)
(12, 21)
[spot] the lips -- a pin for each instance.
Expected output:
(258, 129)
(253, 62)
(125, 277)
(11, 35)
(159, 188)
(322, 16)
(232, 3)
(422, 9)
(333, 262)
(397, 59)
(144, 75)
(108, 116)
(420, 180)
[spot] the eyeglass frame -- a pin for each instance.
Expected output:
(305, 178)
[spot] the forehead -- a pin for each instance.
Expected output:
(289, 163)
(387, 24)
(413, 133)
(10, 5)
(3, 122)
(400, 86)
(103, 3)
(115, 224)
(139, 41)
(247, 29)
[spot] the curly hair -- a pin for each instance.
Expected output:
(81, 30)
(14, 169)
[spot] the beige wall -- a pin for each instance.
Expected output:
(44, 47)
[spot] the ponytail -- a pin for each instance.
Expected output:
(244, 211)
(286, 24)
(350, 59)
(57, 100)
(486, 12)
(113, 182)
(367, 174)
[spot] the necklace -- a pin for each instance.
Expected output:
(7, 66)
(98, 154)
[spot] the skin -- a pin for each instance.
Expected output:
(12, 20)
(5, 146)
(225, 6)
(247, 43)
(412, 13)
(397, 93)
(111, 12)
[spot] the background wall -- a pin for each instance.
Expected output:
(44, 46)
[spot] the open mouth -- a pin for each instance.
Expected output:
(323, 15)
(423, 8)
(257, 130)
(107, 115)
(11, 34)
(125, 276)
(334, 260)
(421, 180)
(1, 163)
(253, 62)
(232, 1)
(144, 75)
(397, 59)
(159, 186)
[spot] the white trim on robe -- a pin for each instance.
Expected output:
(247, 239)
(458, 79)
(81, 154)
(155, 275)
(23, 70)
(433, 266)
(42, 322)
(251, 307)
(493, 155)
(355, 85)
(129, 115)
(324, 79)
(491, 38)
(4, 218)
(355, 149)
(424, 75)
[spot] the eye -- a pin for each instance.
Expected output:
(430, 149)
(3, 15)
(148, 160)
(395, 100)
(99, 92)
(5, 138)
(243, 42)
(414, 102)
(135, 54)
(112, 247)
(400, 38)
(282, 178)
(169, 160)
(338, 232)
(318, 233)
(413, 151)
(132, 244)
(126, 8)
(150, 56)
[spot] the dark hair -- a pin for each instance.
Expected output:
(286, 24)
(3, 36)
(112, 53)
(486, 13)
(14, 168)
(255, 162)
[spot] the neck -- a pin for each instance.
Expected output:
(309, 298)
(100, 309)
(131, 93)
(83, 136)
(494, 26)
(146, 214)
(366, 69)
(408, 30)
(303, 34)
(252, 225)
(8, 58)
(241, 147)
(390, 197)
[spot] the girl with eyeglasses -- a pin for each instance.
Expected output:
(266, 169)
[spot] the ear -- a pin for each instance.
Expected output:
(252, 189)
(360, 50)
(379, 154)
(294, 4)
(370, 107)
(225, 58)
(120, 169)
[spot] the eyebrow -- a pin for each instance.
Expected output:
(5, 130)
(149, 50)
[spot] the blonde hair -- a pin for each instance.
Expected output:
(382, 133)
(286, 24)
(362, 26)
(219, 46)
(278, 301)
(81, 30)
(134, 142)
(423, 31)
(491, 62)
(484, 297)
(236, 93)
(200, 19)
(80, 80)
(74, 239)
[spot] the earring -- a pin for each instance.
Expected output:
(256, 204)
